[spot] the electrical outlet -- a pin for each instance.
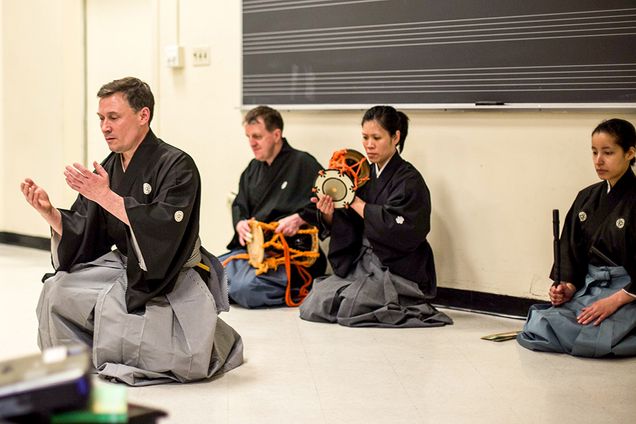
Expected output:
(174, 56)
(201, 56)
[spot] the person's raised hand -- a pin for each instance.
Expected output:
(36, 196)
(92, 185)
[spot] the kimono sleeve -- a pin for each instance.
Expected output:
(240, 209)
(346, 240)
(239, 204)
(629, 263)
(630, 266)
(571, 269)
(402, 221)
(311, 168)
(84, 237)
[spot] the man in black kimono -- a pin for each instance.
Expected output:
(276, 186)
(129, 265)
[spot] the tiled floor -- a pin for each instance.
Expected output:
(301, 372)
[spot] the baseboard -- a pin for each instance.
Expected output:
(42, 243)
(452, 298)
(484, 302)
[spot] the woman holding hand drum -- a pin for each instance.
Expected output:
(383, 265)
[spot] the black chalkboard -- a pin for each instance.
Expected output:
(427, 52)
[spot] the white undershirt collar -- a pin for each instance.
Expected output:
(378, 171)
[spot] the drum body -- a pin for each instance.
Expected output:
(267, 249)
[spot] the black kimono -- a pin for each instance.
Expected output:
(162, 195)
(269, 193)
(384, 267)
(600, 229)
(132, 293)
(598, 256)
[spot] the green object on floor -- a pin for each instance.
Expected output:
(501, 337)
(107, 405)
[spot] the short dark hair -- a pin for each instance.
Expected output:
(622, 131)
(271, 118)
(391, 120)
(136, 92)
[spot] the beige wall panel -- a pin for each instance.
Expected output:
(121, 40)
(3, 169)
(200, 104)
(42, 84)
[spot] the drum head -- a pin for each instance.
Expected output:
(255, 245)
(332, 182)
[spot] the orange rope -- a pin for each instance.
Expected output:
(301, 259)
(304, 289)
(237, 256)
(338, 161)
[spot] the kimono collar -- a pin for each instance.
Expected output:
(284, 150)
(389, 168)
(378, 171)
(147, 145)
(380, 183)
(627, 180)
(144, 155)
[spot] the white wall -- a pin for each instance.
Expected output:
(3, 171)
(42, 85)
(121, 40)
(495, 176)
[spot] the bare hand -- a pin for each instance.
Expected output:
(289, 225)
(562, 293)
(325, 206)
(36, 196)
(93, 186)
(603, 308)
(244, 231)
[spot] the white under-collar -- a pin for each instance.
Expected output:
(378, 171)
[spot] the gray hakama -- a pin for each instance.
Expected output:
(177, 337)
(370, 296)
(555, 329)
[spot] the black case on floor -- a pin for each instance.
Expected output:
(39, 385)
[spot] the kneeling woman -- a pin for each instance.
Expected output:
(383, 265)
(593, 312)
